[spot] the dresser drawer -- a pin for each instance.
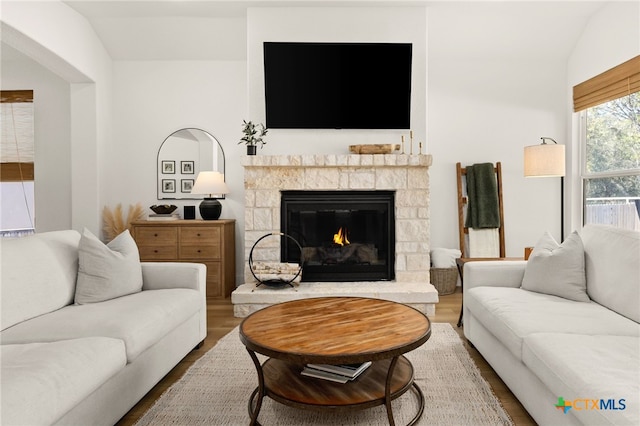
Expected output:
(156, 236)
(206, 252)
(198, 235)
(158, 252)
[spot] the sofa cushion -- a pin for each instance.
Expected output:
(140, 320)
(38, 274)
(579, 367)
(557, 269)
(42, 381)
(107, 271)
(511, 314)
(613, 269)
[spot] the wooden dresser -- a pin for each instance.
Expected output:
(211, 242)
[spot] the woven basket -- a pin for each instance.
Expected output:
(444, 280)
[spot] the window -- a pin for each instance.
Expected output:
(16, 165)
(610, 140)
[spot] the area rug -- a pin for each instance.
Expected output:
(215, 391)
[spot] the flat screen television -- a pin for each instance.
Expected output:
(337, 85)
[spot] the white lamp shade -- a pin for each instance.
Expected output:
(210, 183)
(544, 160)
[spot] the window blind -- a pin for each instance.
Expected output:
(615, 83)
(16, 136)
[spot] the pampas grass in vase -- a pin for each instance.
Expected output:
(114, 224)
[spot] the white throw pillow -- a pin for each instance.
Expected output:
(557, 270)
(444, 258)
(107, 271)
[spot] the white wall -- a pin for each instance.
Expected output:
(329, 24)
(488, 110)
(486, 107)
(60, 39)
(611, 37)
(51, 138)
(153, 99)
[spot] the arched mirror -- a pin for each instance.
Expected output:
(183, 155)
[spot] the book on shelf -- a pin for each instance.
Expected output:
(319, 374)
(169, 216)
(340, 373)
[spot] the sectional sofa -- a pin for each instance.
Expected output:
(568, 348)
(86, 357)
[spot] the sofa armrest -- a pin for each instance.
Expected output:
(162, 275)
(504, 273)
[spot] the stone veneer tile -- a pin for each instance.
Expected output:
(308, 160)
(362, 179)
(390, 159)
(417, 178)
(413, 276)
(248, 219)
(412, 197)
(353, 160)
(413, 247)
(391, 178)
(366, 160)
(331, 160)
(262, 219)
(275, 213)
(343, 183)
(406, 212)
(267, 198)
(265, 176)
(249, 198)
(321, 178)
(412, 230)
(402, 160)
(418, 262)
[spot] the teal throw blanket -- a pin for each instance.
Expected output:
(482, 193)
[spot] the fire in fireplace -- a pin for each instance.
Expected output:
(345, 235)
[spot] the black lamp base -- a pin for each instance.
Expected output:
(210, 209)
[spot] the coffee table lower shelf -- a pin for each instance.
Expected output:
(284, 383)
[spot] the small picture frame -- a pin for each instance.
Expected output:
(187, 185)
(168, 167)
(187, 167)
(168, 185)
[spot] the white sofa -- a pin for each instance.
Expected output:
(88, 364)
(546, 347)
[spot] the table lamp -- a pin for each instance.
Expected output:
(210, 184)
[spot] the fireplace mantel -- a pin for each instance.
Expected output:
(407, 175)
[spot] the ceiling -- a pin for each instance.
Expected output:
(216, 29)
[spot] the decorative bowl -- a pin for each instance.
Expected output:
(163, 209)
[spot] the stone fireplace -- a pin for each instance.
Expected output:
(406, 177)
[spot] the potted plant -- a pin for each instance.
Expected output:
(253, 135)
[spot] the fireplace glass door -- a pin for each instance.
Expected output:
(344, 235)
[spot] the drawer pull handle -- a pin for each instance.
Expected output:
(155, 251)
(155, 235)
(198, 234)
(198, 251)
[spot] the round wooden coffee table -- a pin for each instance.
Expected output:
(334, 330)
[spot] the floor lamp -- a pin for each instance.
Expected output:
(547, 160)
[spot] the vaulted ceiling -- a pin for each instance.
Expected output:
(216, 29)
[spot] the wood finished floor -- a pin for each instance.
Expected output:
(220, 321)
